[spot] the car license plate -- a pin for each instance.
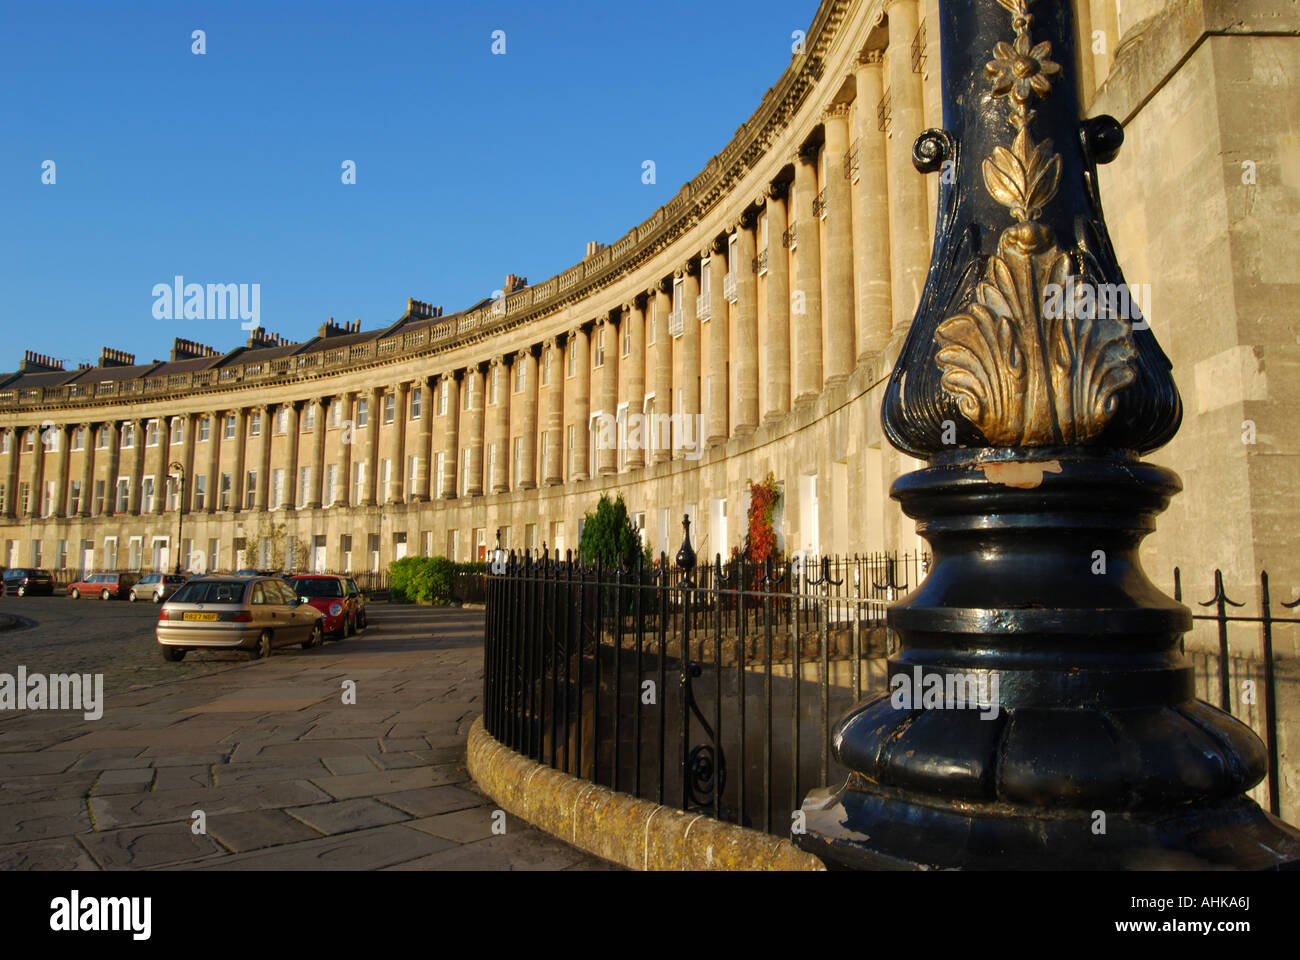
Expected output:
(206, 617)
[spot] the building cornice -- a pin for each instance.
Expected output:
(698, 198)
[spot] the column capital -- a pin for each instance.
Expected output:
(664, 285)
(777, 189)
(719, 244)
(871, 57)
(549, 343)
(837, 111)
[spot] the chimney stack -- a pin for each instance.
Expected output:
(108, 357)
(39, 363)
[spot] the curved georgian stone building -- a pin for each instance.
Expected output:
(746, 326)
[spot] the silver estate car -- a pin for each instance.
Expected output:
(256, 614)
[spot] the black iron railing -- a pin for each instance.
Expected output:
(1250, 670)
(714, 688)
(708, 688)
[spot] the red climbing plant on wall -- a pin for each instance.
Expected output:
(760, 537)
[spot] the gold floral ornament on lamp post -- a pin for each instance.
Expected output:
(1024, 377)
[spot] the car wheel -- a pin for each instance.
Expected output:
(157, 598)
(131, 596)
(73, 594)
(315, 640)
(173, 654)
(103, 595)
(22, 591)
(263, 648)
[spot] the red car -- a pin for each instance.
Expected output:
(106, 586)
(338, 600)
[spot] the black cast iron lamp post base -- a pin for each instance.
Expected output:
(1084, 746)
(1039, 713)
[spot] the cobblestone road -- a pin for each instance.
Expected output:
(287, 775)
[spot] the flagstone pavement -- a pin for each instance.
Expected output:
(284, 773)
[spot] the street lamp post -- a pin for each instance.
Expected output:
(178, 470)
(1040, 713)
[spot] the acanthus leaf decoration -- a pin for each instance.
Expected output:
(1022, 375)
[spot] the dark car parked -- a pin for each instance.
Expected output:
(21, 581)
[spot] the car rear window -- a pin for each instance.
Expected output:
(317, 588)
(227, 591)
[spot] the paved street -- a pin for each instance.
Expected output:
(287, 775)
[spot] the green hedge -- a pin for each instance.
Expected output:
(426, 579)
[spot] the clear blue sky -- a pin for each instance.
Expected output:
(225, 167)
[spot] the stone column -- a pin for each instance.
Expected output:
(114, 428)
(316, 489)
(871, 244)
(1103, 15)
(59, 506)
(292, 427)
(633, 374)
(776, 396)
(581, 413)
(373, 416)
(689, 348)
(138, 427)
(474, 430)
(87, 473)
(1083, 43)
(11, 474)
(719, 344)
(553, 468)
(746, 359)
(806, 298)
(499, 428)
(663, 370)
(840, 352)
(607, 433)
(397, 442)
(347, 440)
(162, 462)
(424, 443)
(264, 459)
(36, 475)
(450, 437)
(186, 494)
(237, 468)
(908, 236)
(528, 414)
(214, 461)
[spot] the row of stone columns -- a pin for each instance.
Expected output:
(874, 264)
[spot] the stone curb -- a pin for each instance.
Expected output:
(637, 834)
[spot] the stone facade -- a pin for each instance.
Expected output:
(757, 313)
